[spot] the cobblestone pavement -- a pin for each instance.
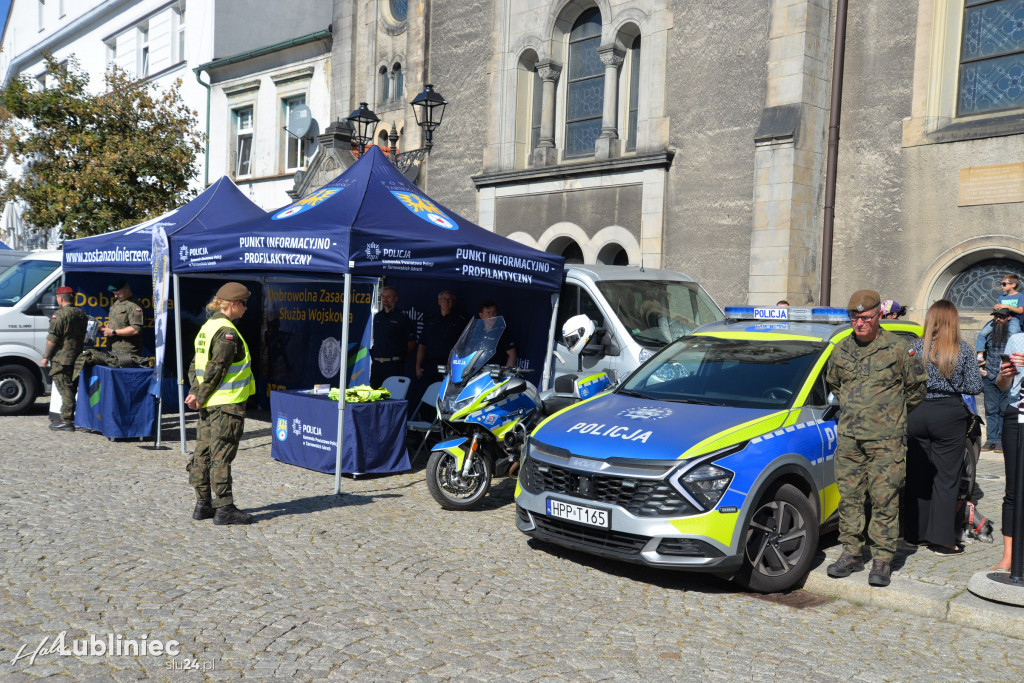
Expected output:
(380, 584)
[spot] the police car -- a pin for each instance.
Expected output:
(716, 455)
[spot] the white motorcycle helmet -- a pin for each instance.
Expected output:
(576, 333)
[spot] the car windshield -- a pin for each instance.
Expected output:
(17, 281)
(739, 373)
(659, 311)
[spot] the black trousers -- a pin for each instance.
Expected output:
(1011, 436)
(935, 456)
(380, 371)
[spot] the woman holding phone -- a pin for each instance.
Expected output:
(1010, 374)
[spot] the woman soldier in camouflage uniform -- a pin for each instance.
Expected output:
(221, 381)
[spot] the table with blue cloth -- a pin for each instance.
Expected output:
(115, 401)
(305, 433)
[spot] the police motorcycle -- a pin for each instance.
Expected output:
(487, 410)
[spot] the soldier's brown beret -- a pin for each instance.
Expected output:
(233, 291)
(863, 300)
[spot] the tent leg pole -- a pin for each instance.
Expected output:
(342, 382)
(177, 354)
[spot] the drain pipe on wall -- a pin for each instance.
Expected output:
(206, 154)
(835, 109)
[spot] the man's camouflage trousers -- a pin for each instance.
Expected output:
(209, 471)
(875, 468)
(66, 387)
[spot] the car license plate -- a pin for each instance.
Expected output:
(579, 513)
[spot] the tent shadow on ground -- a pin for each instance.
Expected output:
(310, 504)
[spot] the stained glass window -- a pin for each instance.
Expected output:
(634, 95)
(991, 57)
(978, 286)
(585, 96)
(399, 9)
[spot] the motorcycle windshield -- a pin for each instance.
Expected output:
(475, 348)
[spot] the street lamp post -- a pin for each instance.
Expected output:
(428, 107)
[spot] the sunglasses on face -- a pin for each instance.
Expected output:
(1005, 284)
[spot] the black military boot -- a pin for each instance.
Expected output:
(879, 575)
(204, 510)
(229, 514)
(63, 427)
(844, 566)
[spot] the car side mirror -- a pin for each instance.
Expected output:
(832, 400)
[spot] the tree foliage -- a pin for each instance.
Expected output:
(93, 163)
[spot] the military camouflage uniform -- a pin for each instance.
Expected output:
(220, 427)
(876, 384)
(67, 332)
(124, 351)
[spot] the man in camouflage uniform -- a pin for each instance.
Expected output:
(878, 380)
(63, 345)
(123, 332)
(221, 382)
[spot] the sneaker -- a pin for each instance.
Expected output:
(229, 514)
(987, 446)
(204, 510)
(63, 427)
(844, 566)
(998, 448)
(879, 575)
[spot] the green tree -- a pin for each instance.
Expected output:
(96, 162)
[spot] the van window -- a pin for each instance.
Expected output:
(657, 312)
(21, 278)
(575, 300)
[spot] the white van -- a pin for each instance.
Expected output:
(27, 300)
(636, 311)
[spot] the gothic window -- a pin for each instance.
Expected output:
(585, 86)
(383, 85)
(398, 89)
(978, 286)
(991, 57)
(633, 101)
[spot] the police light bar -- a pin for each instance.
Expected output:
(819, 314)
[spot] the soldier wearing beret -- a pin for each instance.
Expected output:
(878, 379)
(63, 345)
(221, 381)
(123, 332)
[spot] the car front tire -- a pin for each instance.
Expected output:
(779, 542)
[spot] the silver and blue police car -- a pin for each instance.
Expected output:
(716, 455)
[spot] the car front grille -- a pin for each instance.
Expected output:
(590, 538)
(641, 497)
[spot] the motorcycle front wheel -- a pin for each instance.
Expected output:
(450, 488)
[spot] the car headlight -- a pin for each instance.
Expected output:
(706, 484)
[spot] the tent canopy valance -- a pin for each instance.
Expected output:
(130, 250)
(368, 221)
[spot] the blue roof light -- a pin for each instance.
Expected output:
(818, 314)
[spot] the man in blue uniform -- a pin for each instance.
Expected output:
(394, 338)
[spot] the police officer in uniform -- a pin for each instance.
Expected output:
(63, 345)
(878, 379)
(441, 331)
(221, 381)
(394, 338)
(123, 332)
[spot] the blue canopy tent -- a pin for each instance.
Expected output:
(128, 252)
(369, 221)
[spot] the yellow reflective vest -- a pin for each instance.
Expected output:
(238, 383)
